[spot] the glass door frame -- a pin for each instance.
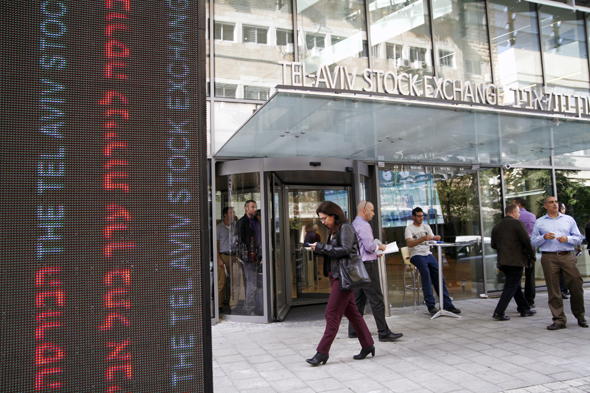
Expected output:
(287, 244)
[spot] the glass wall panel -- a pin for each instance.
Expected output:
(251, 37)
(577, 159)
(229, 116)
(460, 35)
(491, 210)
(457, 190)
(400, 35)
(241, 254)
(514, 33)
(332, 33)
(565, 51)
(533, 185)
(573, 190)
(450, 201)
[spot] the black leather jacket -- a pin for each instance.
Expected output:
(342, 244)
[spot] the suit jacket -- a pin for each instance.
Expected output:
(513, 243)
(340, 246)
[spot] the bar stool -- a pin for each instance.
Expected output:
(411, 273)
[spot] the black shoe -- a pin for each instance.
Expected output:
(528, 313)
(564, 295)
(454, 310)
(365, 352)
(583, 323)
(555, 326)
(390, 337)
(352, 335)
(318, 358)
(432, 309)
(499, 317)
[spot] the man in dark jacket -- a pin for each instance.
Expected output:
(249, 253)
(513, 244)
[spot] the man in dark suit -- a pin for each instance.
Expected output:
(513, 244)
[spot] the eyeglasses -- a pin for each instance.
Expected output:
(322, 219)
(419, 215)
(365, 206)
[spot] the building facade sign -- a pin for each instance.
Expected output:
(427, 86)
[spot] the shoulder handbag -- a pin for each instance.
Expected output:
(353, 274)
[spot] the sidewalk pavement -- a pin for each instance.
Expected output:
(473, 354)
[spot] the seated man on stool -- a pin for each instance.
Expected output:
(420, 256)
(511, 240)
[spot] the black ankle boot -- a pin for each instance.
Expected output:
(365, 352)
(318, 358)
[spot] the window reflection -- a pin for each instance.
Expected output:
(239, 244)
(565, 51)
(460, 33)
(400, 35)
(251, 37)
(332, 33)
(449, 198)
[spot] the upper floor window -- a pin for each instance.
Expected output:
(393, 51)
(446, 58)
(417, 54)
(224, 31)
(225, 90)
(284, 37)
(255, 34)
(315, 41)
(256, 93)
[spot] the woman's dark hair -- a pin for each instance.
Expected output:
(332, 209)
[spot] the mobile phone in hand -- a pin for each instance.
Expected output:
(578, 253)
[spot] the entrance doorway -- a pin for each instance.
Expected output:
(299, 277)
(287, 192)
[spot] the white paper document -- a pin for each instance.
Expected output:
(391, 247)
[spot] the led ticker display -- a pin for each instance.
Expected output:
(102, 201)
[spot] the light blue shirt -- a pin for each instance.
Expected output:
(562, 225)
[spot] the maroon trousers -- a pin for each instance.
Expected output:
(342, 303)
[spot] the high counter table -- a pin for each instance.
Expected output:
(442, 312)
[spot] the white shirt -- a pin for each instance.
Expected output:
(413, 232)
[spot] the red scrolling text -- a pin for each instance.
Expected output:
(117, 241)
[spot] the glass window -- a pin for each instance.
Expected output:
(229, 117)
(225, 90)
(399, 24)
(240, 244)
(256, 34)
(533, 185)
(284, 37)
(565, 52)
(331, 34)
(256, 93)
(315, 41)
(449, 198)
(224, 31)
(491, 203)
(515, 46)
(393, 51)
(577, 159)
(573, 190)
(239, 25)
(460, 27)
(446, 58)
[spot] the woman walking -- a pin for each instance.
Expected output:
(341, 244)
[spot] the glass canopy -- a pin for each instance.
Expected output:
(360, 126)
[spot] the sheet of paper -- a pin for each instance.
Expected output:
(391, 247)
